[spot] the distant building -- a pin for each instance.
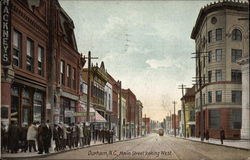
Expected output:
(139, 119)
(221, 39)
(189, 102)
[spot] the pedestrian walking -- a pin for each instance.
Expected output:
(14, 132)
(32, 136)
(222, 135)
(23, 137)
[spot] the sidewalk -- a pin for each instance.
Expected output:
(35, 154)
(240, 144)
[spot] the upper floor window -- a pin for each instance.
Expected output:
(209, 96)
(17, 38)
(236, 35)
(40, 60)
(69, 75)
(218, 96)
(209, 36)
(218, 75)
(62, 72)
(209, 76)
(218, 55)
(236, 75)
(218, 34)
(209, 56)
(236, 96)
(74, 78)
(236, 54)
(30, 55)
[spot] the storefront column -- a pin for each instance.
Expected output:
(245, 129)
(6, 81)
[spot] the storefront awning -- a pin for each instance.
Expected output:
(94, 116)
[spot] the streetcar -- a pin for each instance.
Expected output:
(161, 132)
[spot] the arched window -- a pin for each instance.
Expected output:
(236, 35)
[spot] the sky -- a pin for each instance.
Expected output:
(144, 44)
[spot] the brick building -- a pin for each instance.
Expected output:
(131, 114)
(147, 121)
(221, 39)
(139, 117)
(41, 78)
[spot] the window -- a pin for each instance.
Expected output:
(204, 98)
(214, 118)
(236, 35)
(236, 119)
(209, 96)
(236, 54)
(17, 48)
(218, 75)
(62, 75)
(218, 34)
(209, 56)
(38, 105)
(68, 75)
(236, 97)
(236, 75)
(209, 76)
(74, 78)
(40, 60)
(218, 53)
(30, 55)
(209, 36)
(204, 62)
(218, 96)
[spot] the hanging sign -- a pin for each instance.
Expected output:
(5, 34)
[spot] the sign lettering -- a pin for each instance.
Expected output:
(6, 34)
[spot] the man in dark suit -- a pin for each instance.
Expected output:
(47, 135)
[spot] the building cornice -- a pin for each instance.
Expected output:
(216, 6)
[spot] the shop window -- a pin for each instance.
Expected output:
(214, 119)
(236, 54)
(40, 61)
(62, 72)
(38, 106)
(236, 97)
(30, 55)
(15, 103)
(17, 39)
(236, 119)
(236, 75)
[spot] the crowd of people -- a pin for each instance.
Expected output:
(38, 136)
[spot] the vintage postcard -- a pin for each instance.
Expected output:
(125, 79)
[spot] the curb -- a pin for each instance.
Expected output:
(64, 151)
(241, 148)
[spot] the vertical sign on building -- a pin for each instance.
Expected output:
(6, 32)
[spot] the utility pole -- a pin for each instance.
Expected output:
(174, 102)
(89, 85)
(184, 109)
(120, 110)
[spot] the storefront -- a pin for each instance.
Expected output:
(67, 110)
(27, 104)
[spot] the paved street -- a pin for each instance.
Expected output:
(156, 147)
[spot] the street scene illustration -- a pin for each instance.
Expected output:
(125, 79)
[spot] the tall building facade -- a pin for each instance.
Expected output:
(40, 77)
(139, 117)
(221, 38)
